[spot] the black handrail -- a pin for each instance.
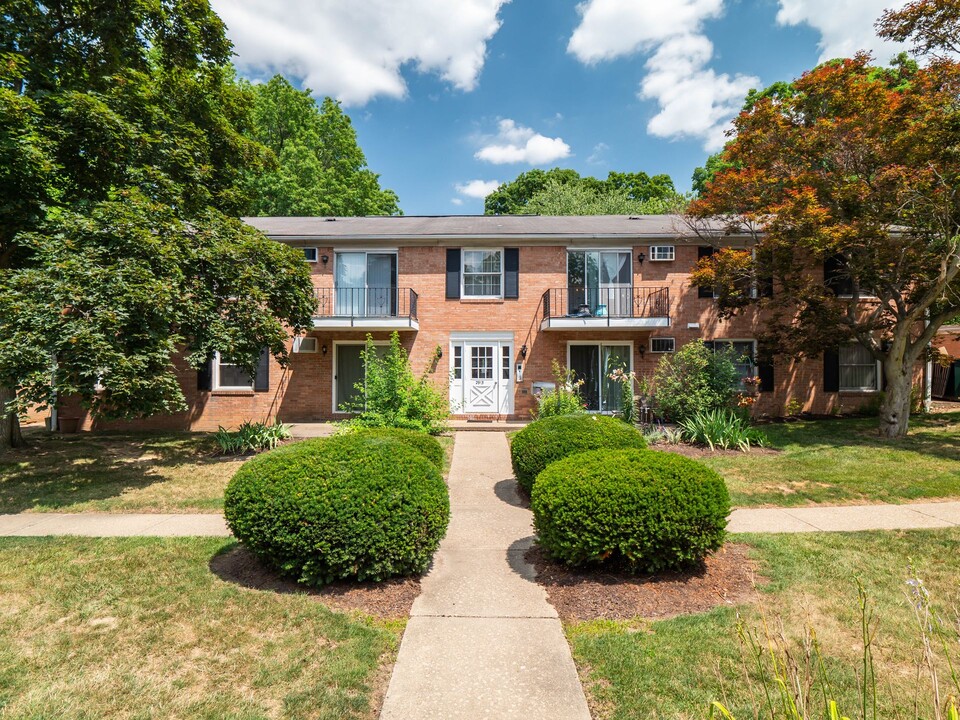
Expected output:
(613, 302)
(366, 302)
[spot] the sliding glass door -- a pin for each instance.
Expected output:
(366, 284)
(592, 364)
(599, 282)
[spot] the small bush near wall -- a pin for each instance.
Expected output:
(346, 507)
(693, 379)
(426, 445)
(250, 437)
(554, 438)
(639, 510)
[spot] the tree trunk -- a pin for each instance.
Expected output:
(895, 410)
(10, 435)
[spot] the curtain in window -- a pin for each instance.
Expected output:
(380, 283)
(858, 368)
(350, 282)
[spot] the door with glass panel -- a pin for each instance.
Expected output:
(481, 380)
(350, 375)
(592, 364)
(366, 284)
(599, 283)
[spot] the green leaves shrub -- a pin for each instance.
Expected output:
(552, 438)
(639, 510)
(692, 379)
(426, 445)
(721, 428)
(345, 507)
(250, 437)
(393, 397)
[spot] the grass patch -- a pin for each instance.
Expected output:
(844, 461)
(151, 472)
(675, 668)
(141, 628)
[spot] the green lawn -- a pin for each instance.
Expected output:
(844, 461)
(142, 472)
(141, 628)
(675, 668)
(133, 472)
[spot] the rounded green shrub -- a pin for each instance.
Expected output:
(554, 438)
(640, 510)
(342, 507)
(426, 445)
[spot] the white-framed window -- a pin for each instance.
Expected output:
(662, 253)
(482, 274)
(310, 254)
(744, 353)
(663, 344)
(458, 362)
(859, 370)
(303, 344)
(229, 376)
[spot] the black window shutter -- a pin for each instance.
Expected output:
(511, 273)
(704, 252)
(261, 379)
(765, 373)
(831, 370)
(453, 273)
(205, 376)
(765, 286)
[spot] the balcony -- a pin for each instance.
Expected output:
(615, 308)
(366, 308)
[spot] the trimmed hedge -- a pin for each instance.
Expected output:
(642, 510)
(426, 445)
(554, 438)
(341, 507)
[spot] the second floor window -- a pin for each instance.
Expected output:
(366, 284)
(482, 273)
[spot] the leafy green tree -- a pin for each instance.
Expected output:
(319, 169)
(579, 199)
(694, 379)
(517, 197)
(123, 153)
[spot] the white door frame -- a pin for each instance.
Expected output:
(505, 386)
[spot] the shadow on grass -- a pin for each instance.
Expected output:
(56, 471)
(937, 435)
(391, 598)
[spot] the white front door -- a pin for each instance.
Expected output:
(482, 380)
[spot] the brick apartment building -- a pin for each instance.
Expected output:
(485, 304)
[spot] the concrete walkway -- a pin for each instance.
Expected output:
(482, 640)
(841, 518)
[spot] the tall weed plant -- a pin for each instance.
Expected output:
(694, 379)
(564, 398)
(392, 396)
(790, 683)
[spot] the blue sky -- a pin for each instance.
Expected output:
(450, 96)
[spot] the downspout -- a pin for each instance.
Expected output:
(54, 414)
(928, 370)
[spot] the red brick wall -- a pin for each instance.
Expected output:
(303, 390)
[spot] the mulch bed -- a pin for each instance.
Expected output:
(726, 578)
(389, 599)
(701, 451)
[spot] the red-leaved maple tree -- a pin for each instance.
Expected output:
(857, 167)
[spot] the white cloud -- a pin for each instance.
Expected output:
(597, 156)
(694, 100)
(456, 201)
(612, 28)
(518, 144)
(476, 188)
(354, 51)
(844, 27)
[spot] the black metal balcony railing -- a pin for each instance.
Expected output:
(366, 302)
(615, 302)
